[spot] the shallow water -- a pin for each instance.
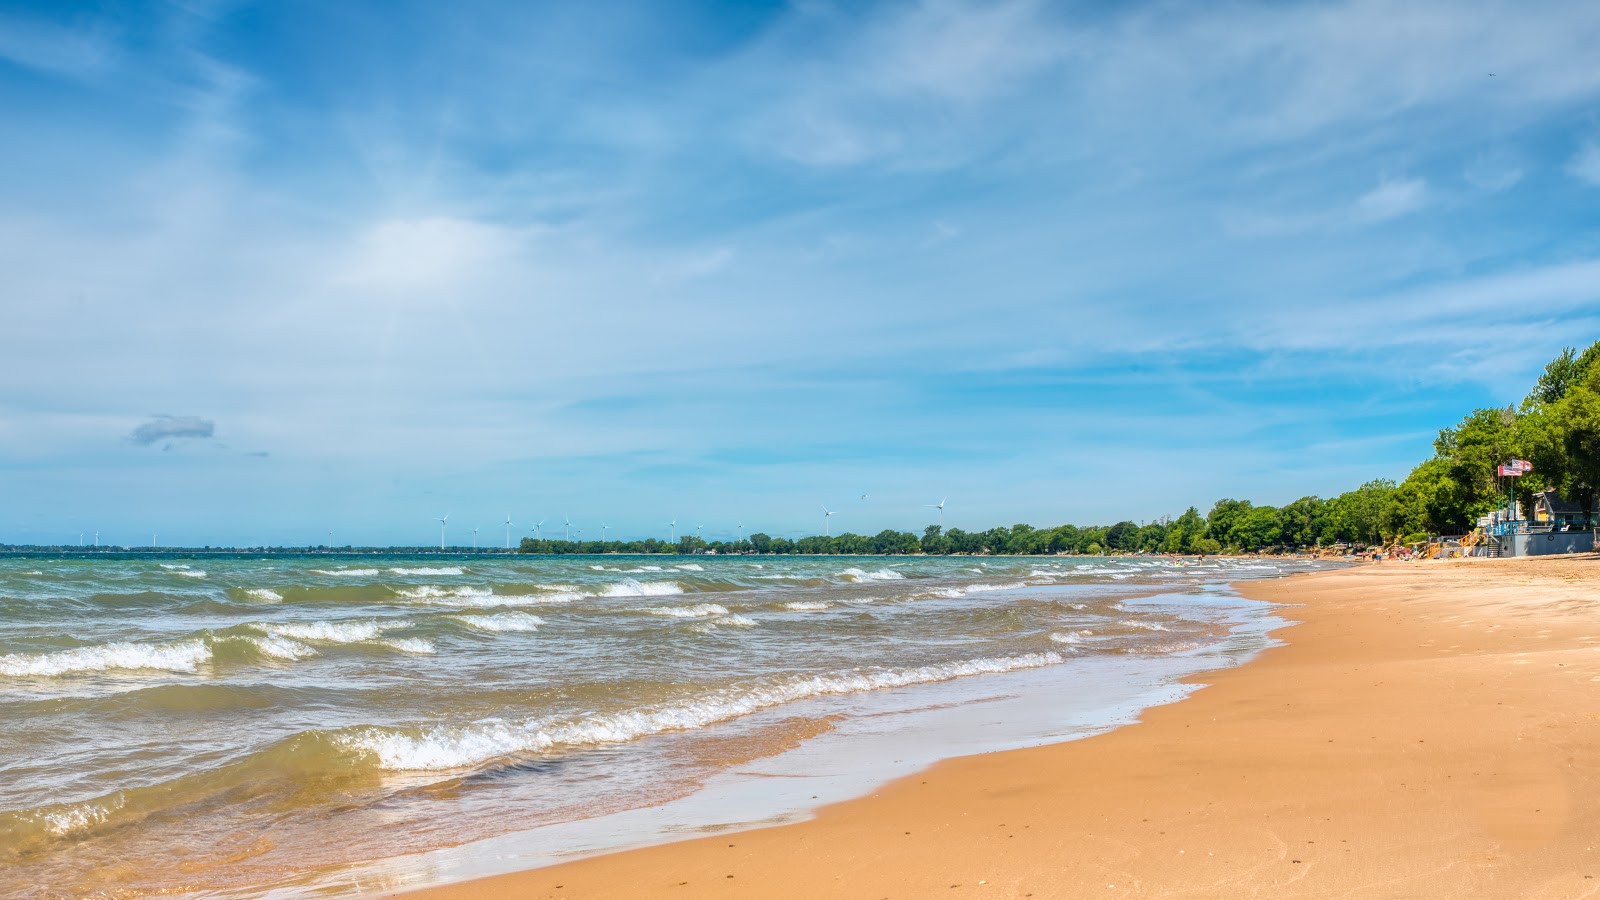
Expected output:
(228, 724)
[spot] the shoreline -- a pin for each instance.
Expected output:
(1423, 731)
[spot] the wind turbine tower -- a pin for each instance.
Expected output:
(442, 520)
(566, 528)
(940, 507)
(672, 530)
(508, 531)
(827, 517)
(537, 534)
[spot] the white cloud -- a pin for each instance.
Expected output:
(1585, 164)
(1493, 172)
(1391, 199)
(72, 52)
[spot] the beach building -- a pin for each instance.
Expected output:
(1556, 525)
(1550, 509)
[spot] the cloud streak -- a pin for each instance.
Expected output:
(165, 428)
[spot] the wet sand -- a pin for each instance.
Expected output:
(1428, 730)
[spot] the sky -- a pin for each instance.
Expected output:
(285, 272)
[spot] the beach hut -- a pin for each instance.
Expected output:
(1550, 509)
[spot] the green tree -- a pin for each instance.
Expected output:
(1220, 522)
(1257, 528)
(1123, 536)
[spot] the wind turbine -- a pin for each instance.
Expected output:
(442, 519)
(537, 534)
(508, 531)
(741, 531)
(940, 507)
(153, 543)
(97, 538)
(827, 515)
(672, 529)
(474, 538)
(566, 528)
(80, 539)
(603, 527)
(697, 532)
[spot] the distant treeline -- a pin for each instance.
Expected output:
(1557, 428)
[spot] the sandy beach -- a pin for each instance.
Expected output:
(1427, 730)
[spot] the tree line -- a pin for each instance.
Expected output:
(1556, 427)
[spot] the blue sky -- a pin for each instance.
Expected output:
(273, 270)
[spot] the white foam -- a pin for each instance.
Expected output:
(735, 620)
(178, 656)
(802, 605)
(1070, 637)
(190, 573)
(506, 621)
(409, 645)
(331, 632)
(697, 611)
(646, 569)
(445, 747)
(1147, 626)
(425, 570)
(81, 817)
(690, 567)
(266, 594)
(347, 573)
(279, 647)
(431, 592)
(860, 575)
(480, 598)
(631, 588)
(989, 588)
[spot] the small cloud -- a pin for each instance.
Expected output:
(1585, 164)
(708, 263)
(1493, 172)
(164, 427)
(1391, 199)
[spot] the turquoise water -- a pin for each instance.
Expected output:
(219, 724)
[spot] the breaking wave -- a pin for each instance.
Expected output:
(631, 588)
(177, 656)
(506, 621)
(861, 575)
(697, 611)
(444, 748)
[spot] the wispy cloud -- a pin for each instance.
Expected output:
(74, 52)
(1391, 199)
(1585, 164)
